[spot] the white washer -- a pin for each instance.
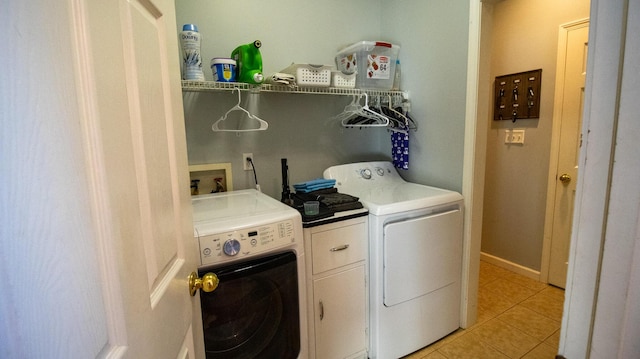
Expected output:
(415, 263)
(254, 243)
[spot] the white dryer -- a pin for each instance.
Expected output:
(415, 262)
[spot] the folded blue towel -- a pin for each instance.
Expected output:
(312, 188)
(314, 185)
(316, 182)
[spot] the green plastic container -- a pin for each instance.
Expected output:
(248, 62)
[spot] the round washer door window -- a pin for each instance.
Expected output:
(254, 312)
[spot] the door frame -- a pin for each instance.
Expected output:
(555, 144)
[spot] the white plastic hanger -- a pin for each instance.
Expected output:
(350, 110)
(399, 117)
(263, 124)
(354, 109)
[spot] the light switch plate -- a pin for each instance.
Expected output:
(514, 136)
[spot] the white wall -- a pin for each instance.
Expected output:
(290, 30)
(47, 232)
(433, 39)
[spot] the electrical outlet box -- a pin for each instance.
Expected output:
(246, 164)
(210, 178)
(514, 136)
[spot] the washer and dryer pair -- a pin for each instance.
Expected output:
(255, 245)
(415, 257)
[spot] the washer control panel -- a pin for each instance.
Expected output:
(222, 247)
(368, 174)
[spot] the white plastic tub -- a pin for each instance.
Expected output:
(223, 69)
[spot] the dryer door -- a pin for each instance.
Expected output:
(421, 255)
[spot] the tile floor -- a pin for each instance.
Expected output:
(517, 318)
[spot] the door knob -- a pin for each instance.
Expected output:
(565, 178)
(208, 283)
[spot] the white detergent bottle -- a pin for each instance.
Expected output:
(191, 57)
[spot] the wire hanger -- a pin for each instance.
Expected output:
(356, 115)
(263, 124)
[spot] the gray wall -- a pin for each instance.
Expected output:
(524, 37)
(433, 39)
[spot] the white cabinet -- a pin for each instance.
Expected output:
(339, 314)
(336, 289)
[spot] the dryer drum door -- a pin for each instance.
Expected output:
(254, 312)
(421, 255)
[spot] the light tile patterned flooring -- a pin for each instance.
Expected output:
(518, 317)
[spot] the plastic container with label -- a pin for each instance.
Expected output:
(373, 61)
(224, 69)
(191, 57)
(249, 61)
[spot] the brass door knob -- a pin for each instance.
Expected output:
(565, 178)
(208, 283)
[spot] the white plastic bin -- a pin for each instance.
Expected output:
(374, 62)
(310, 75)
(223, 69)
(342, 80)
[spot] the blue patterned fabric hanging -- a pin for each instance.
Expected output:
(400, 149)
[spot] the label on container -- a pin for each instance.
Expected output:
(224, 72)
(378, 67)
(348, 64)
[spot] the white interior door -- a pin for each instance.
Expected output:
(570, 99)
(97, 240)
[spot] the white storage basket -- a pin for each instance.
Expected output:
(342, 80)
(310, 75)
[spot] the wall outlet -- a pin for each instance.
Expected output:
(246, 164)
(514, 136)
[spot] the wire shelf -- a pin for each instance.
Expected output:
(212, 86)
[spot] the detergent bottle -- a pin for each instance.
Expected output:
(191, 57)
(249, 62)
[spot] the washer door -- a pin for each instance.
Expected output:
(254, 312)
(421, 255)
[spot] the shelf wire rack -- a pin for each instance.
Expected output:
(213, 86)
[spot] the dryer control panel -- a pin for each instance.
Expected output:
(249, 241)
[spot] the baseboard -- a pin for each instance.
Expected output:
(516, 268)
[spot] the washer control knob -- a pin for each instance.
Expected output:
(380, 171)
(231, 247)
(365, 173)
